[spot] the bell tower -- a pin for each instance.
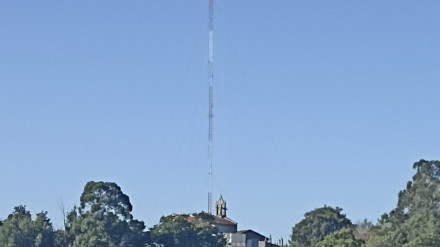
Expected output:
(223, 223)
(220, 208)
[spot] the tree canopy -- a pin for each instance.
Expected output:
(341, 238)
(183, 230)
(104, 219)
(416, 219)
(316, 225)
(106, 198)
(20, 230)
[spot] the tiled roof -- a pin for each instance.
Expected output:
(224, 221)
(251, 231)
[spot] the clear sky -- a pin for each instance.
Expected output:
(316, 103)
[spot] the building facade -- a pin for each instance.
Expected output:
(234, 238)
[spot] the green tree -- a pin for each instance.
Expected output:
(45, 235)
(341, 238)
(316, 225)
(381, 236)
(416, 219)
(61, 239)
(20, 230)
(182, 230)
(104, 219)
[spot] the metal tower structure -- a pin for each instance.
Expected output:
(210, 82)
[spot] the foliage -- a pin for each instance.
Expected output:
(61, 239)
(104, 219)
(106, 198)
(341, 238)
(182, 230)
(20, 230)
(316, 225)
(416, 219)
(44, 230)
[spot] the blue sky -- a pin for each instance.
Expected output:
(316, 103)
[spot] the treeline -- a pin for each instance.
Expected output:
(415, 222)
(103, 219)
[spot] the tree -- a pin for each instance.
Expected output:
(61, 239)
(44, 231)
(183, 230)
(106, 198)
(316, 225)
(104, 219)
(416, 219)
(341, 238)
(20, 230)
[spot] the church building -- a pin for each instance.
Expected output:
(244, 238)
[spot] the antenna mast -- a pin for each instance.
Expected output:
(210, 82)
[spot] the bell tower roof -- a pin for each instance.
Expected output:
(221, 200)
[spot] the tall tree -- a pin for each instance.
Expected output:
(44, 231)
(316, 225)
(104, 219)
(182, 230)
(20, 230)
(416, 219)
(106, 198)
